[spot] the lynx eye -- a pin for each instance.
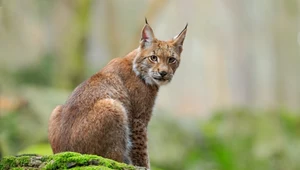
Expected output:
(153, 58)
(172, 60)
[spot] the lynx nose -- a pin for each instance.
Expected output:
(163, 73)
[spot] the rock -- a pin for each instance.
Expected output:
(65, 160)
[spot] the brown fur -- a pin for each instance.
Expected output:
(108, 114)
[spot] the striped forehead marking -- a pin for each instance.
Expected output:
(163, 49)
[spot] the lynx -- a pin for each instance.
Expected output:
(108, 114)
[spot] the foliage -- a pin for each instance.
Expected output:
(229, 140)
(40, 149)
(27, 124)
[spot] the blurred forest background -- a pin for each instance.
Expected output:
(233, 104)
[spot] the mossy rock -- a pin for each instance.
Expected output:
(66, 160)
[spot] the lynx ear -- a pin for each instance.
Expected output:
(179, 39)
(147, 35)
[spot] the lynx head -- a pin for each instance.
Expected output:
(156, 60)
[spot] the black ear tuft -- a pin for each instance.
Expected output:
(146, 20)
(186, 25)
(179, 39)
(183, 29)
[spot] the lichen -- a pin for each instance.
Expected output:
(65, 160)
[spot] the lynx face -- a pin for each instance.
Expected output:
(157, 61)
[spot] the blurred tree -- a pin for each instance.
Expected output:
(285, 31)
(70, 67)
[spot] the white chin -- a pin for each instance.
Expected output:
(160, 83)
(151, 81)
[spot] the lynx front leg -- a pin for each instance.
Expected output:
(139, 153)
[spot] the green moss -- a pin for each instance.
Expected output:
(9, 162)
(66, 160)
